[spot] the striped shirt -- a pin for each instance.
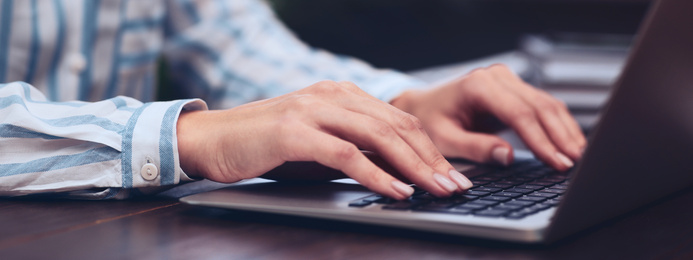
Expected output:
(78, 114)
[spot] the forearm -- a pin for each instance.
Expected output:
(81, 146)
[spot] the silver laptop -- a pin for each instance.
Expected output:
(640, 151)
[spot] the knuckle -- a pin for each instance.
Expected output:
(345, 152)
(478, 73)
(409, 122)
(498, 67)
(382, 129)
(349, 85)
(325, 87)
(544, 105)
(559, 104)
(523, 114)
(472, 84)
(304, 102)
(549, 105)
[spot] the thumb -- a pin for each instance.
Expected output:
(478, 147)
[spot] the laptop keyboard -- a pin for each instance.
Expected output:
(520, 190)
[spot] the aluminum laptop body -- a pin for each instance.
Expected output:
(640, 151)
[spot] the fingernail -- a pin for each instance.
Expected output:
(500, 155)
(445, 182)
(402, 188)
(461, 181)
(564, 159)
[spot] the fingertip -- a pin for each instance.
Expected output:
(463, 182)
(502, 155)
(564, 160)
(445, 182)
(402, 189)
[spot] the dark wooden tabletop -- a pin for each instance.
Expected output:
(163, 228)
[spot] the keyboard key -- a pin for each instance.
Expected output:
(446, 204)
(477, 193)
(500, 186)
(553, 180)
(449, 202)
(501, 174)
(486, 189)
(486, 178)
(560, 186)
(518, 190)
(424, 196)
(471, 206)
(507, 207)
(431, 207)
(543, 194)
(553, 202)
(496, 198)
(490, 213)
(360, 203)
(541, 183)
(384, 200)
(401, 205)
(477, 183)
(515, 215)
(518, 179)
(372, 198)
(444, 210)
(538, 207)
(532, 175)
(530, 187)
(508, 194)
(558, 176)
(523, 203)
(418, 191)
(549, 190)
(485, 202)
(526, 211)
(507, 182)
(471, 197)
(532, 198)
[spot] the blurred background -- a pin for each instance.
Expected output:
(574, 49)
(413, 34)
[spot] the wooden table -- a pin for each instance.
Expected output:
(163, 228)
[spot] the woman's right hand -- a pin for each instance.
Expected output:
(327, 123)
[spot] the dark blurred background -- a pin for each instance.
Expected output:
(413, 34)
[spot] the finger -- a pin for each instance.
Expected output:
(553, 114)
(410, 130)
(523, 119)
(478, 147)
(309, 144)
(378, 136)
(556, 119)
(575, 129)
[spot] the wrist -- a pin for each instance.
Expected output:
(187, 142)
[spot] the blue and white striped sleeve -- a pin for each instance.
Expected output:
(90, 150)
(233, 52)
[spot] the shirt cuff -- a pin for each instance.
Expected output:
(150, 144)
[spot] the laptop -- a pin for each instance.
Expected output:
(638, 152)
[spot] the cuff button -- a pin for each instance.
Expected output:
(149, 171)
